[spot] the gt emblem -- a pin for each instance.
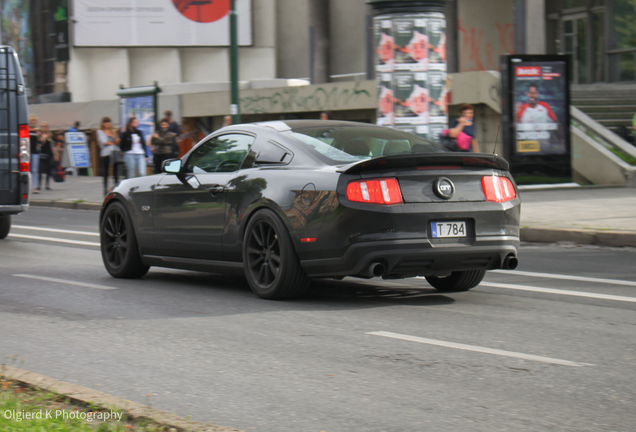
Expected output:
(444, 188)
(145, 208)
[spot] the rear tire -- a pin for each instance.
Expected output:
(5, 226)
(272, 267)
(458, 281)
(120, 251)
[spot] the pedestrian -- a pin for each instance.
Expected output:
(35, 151)
(133, 146)
(46, 155)
(227, 121)
(326, 115)
(462, 130)
(108, 141)
(74, 128)
(174, 126)
(163, 145)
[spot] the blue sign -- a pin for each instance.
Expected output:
(79, 155)
(75, 137)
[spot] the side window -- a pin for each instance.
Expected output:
(223, 153)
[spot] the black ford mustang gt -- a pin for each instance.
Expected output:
(287, 201)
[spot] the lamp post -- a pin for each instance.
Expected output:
(234, 107)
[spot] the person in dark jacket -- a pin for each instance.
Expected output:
(133, 146)
(163, 144)
(46, 154)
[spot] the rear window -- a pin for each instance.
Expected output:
(337, 145)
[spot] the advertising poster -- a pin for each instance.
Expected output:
(159, 22)
(385, 99)
(437, 44)
(143, 109)
(16, 32)
(419, 130)
(540, 108)
(411, 97)
(435, 130)
(384, 44)
(437, 97)
(411, 44)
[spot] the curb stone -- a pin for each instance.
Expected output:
(85, 396)
(592, 237)
(66, 204)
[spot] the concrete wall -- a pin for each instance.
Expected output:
(96, 73)
(292, 39)
(535, 27)
(593, 163)
(485, 31)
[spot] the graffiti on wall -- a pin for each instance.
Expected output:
(308, 98)
(479, 50)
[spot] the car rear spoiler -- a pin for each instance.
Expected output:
(427, 161)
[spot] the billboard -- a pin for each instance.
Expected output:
(536, 113)
(159, 22)
(140, 107)
(411, 72)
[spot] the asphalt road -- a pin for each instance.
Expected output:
(551, 346)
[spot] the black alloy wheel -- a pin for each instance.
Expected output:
(271, 265)
(5, 226)
(458, 281)
(120, 252)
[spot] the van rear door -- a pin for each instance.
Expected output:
(14, 151)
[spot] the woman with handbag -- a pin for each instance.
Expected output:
(463, 130)
(46, 154)
(108, 141)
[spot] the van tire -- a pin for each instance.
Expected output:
(5, 226)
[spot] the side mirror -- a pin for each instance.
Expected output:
(172, 166)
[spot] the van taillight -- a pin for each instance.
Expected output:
(376, 191)
(498, 189)
(24, 154)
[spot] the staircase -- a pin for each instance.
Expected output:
(611, 105)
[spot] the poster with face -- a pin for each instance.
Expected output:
(385, 114)
(437, 97)
(539, 108)
(411, 44)
(437, 43)
(384, 44)
(411, 98)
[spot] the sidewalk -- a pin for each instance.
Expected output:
(584, 215)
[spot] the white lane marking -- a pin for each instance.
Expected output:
(479, 349)
(55, 230)
(53, 239)
(566, 277)
(64, 281)
(559, 291)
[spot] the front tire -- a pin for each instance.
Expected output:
(120, 251)
(458, 281)
(5, 226)
(272, 267)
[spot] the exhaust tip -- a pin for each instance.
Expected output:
(510, 263)
(377, 269)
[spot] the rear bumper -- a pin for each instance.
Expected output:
(13, 209)
(417, 257)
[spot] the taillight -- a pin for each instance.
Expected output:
(377, 191)
(24, 154)
(498, 189)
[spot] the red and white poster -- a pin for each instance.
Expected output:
(159, 22)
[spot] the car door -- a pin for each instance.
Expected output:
(190, 208)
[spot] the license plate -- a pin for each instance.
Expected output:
(449, 229)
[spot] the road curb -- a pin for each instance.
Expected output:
(76, 205)
(591, 237)
(85, 396)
